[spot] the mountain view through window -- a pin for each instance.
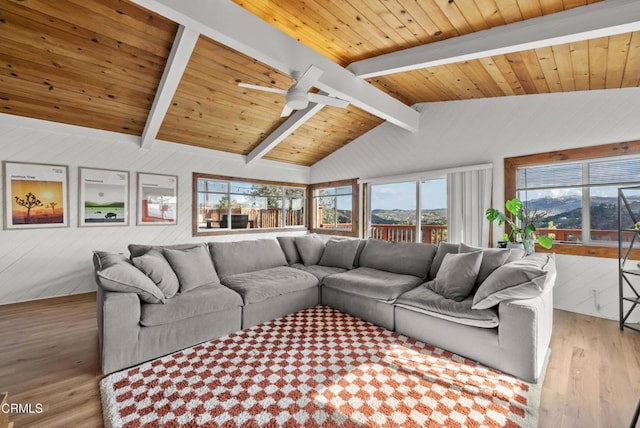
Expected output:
(394, 213)
(577, 202)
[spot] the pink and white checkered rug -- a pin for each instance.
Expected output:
(316, 368)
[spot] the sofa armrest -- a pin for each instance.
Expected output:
(526, 326)
(118, 328)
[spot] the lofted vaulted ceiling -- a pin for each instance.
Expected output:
(100, 63)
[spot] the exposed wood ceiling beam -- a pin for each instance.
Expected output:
(233, 26)
(181, 50)
(295, 121)
(601, 19)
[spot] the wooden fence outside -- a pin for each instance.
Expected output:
(259, 218)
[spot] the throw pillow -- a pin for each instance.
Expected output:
(457, 275)
(521, 279)
(114, 272)
(288, 245)
(340, 253)
(492, 259)
(193, 267)
(156, 267)
(310, 248)
(444, 248)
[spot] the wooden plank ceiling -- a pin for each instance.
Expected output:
(98, 63)
(94, 63)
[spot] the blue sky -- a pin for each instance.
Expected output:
(403, 195)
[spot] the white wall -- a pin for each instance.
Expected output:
(468, 132)
(35, 264)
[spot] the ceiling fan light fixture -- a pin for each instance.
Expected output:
(297, 100)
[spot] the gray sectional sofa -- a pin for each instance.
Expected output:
(489, 305)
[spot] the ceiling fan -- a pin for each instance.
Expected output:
(297, 96)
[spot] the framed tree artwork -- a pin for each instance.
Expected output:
(103, 197)
(157, 199)
(35, 195)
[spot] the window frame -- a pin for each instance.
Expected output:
(511, 165)
(228, 231)
(419, 182)
(355, 205)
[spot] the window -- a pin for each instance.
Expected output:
(393, 213)
(573, 194)
(335, 208)
(222, 204)
(434, 211)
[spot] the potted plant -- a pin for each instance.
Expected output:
(522, 225)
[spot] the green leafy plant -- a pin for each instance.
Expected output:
(520, 220)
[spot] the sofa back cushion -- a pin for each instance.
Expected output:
(492, 259)
(408, 258)
(289, 248)
(231, 258)
(310, 248)
(139, 249)
(340, 253)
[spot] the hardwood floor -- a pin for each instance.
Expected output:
(49, 355)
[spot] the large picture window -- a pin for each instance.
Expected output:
(394, 214)
(574, 198)
(334, 208)
(223, 204)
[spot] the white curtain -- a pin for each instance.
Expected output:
(469, 196)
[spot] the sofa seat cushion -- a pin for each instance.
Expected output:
(318, 271)
(261, 285)
(201, 301)
(373, 283)
(423, 300)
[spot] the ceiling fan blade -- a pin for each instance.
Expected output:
(308, 78)
(286, 111)
(262, 88)
(330, 101)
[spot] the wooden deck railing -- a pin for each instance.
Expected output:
(431, 234)
(258, 218)
(575, 235)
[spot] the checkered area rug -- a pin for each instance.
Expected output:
(316, 368)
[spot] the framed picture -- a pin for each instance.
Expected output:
(157, 199)
(103, 197)
(35, 195)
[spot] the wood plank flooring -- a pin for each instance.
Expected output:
(49, 355)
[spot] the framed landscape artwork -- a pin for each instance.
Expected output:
(35, 195)
(103, 197)
(157, 199)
